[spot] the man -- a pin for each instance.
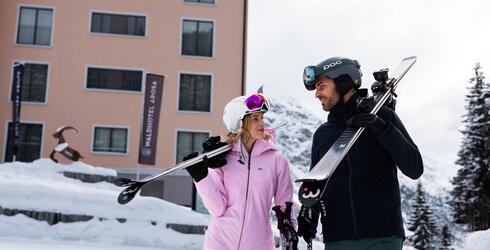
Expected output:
(360, 208)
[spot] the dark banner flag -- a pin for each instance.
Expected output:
(151, 117)
(16, 103)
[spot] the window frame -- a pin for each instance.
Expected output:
(211, 96)
(213, 47)
(6, 132)
(47, 81)
(201, 3)
(92, 141)
(110, 12)
(36, 6)
(176, 139)
(143, 79)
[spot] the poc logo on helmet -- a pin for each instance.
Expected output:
(332, 64)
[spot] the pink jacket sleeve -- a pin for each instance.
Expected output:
(212, 191)
(284, 186)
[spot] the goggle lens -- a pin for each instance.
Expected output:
(309, 75)
(256, 102)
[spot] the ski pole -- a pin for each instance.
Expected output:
(278, 212)
(289, 237)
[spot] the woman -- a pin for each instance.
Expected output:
(239, 189)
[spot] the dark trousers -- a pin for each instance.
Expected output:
(381, 243)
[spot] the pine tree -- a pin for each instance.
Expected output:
(471, 193)
(446, 238)
(422, 222)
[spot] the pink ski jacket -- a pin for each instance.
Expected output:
(239, 197)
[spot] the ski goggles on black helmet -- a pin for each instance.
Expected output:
(256, 103)
(332, 68)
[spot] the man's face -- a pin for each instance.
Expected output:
(326, 93)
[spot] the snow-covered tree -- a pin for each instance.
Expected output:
(446, 238)
(422, 222)
(471, 194)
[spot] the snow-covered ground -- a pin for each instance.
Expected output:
(478, 240)
(45, 244)
(40, 186)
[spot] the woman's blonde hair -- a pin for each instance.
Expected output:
(243, 133)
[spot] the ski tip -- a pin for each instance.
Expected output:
(124, 197)
(123, 182)
(129, 193)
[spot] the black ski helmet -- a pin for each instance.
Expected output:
(345, 72)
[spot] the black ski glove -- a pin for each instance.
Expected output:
(307, 222)
(210, 144)
(286, 227)
(198, 171)
(374, 124)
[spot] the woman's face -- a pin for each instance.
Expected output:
(256, 125)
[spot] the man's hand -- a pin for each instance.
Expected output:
(306, 223)
(374, 124)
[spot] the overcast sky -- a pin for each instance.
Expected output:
(447, 36)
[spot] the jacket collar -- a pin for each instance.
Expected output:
(259, 147)
(342, 113)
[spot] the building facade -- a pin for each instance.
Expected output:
(85, 66)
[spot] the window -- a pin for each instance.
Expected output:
(199, 1)
(112, 140)
(30, 138)
(35, 26)
(34, 83)
(188, 142)
(118, 24)
(197, 38)
(195, 93)
(116, 79)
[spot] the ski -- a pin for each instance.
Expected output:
(133, 186)
(315, 182)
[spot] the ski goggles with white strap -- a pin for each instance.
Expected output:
(257, 103)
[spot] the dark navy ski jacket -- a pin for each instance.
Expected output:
(363, 196)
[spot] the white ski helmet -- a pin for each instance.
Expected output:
(239, 107)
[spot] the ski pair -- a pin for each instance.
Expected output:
(315, 182)
(132, 187)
